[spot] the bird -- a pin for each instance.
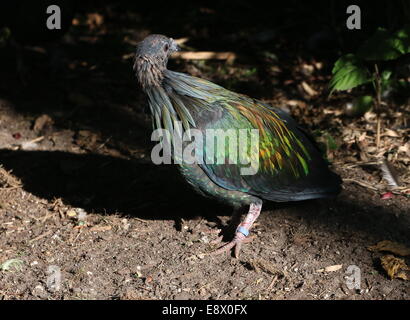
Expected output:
(290, 166)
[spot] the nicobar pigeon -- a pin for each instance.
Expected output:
(290, 168)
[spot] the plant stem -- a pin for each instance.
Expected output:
(377, 105)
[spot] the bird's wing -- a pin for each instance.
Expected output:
(284, 165)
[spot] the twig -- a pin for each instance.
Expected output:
(142, 220)
(45, 234)
(104, 143)
(358, 164)
(274, 279)
(38, 139)
(205, 55)
(361, 183)
(377, 105)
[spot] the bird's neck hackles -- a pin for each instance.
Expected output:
(150, 73)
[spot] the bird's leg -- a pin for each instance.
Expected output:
(242, 231)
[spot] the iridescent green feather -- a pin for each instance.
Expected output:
(279, 148)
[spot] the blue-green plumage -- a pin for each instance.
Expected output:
(289, 165)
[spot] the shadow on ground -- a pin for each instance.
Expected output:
(108, 185)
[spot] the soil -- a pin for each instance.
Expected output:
(87, 215)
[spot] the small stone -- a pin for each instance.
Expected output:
(39, 291)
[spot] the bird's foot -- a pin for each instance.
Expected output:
(242, 232)
(236, 243)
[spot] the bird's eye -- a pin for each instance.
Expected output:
(166, 47)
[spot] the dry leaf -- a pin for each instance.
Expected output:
(308, 69)
(265, 266)
(395, 267)
(308, 89)
(94, 20)
(390, 246)
(391, 133)
(296, 103)
(42, 122)
(370, 116)
(387, 195)
(405, 149)
(71, 213)
(333, 268)
(87, 139)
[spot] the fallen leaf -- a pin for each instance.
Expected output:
(333, 268)
(387, 195)
(42, 122)
(265, 266)
(395, 267)
(94, 20)
(308, 68)
(391, 133)
(296, 103)
(370, 116)
(71, 213)
(405, 148)
(390, 246)
(308, 89)
(87, 139)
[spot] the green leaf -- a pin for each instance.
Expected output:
(403, 39)
(386, 74)
(348, 72)
(384, 45)
(386, 80)
(331, 143)
(4, 36)
(361, 105)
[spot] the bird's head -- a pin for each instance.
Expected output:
(151, 58)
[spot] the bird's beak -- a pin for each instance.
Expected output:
(175, 47)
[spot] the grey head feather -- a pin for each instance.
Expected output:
(151, 58)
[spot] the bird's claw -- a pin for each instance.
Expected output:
(237, 242)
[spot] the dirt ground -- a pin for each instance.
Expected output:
(85, 214)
